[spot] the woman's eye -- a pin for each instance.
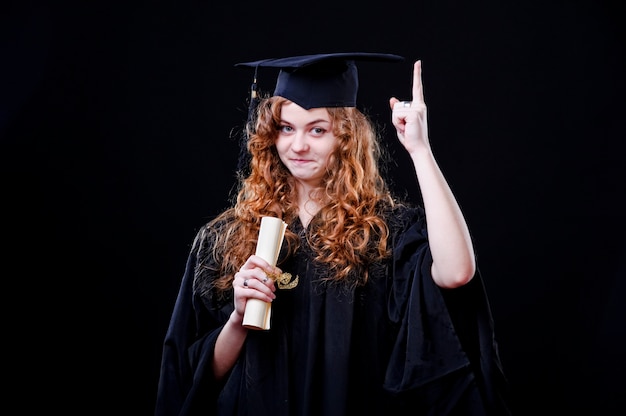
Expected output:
(318, 130)
(285, 129)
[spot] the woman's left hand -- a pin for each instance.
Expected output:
(409, 117)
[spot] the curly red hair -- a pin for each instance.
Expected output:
(348, 232)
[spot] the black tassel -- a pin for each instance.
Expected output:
(243, 163)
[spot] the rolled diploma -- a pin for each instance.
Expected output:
(257, 314)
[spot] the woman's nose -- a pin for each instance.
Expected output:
(299, 143)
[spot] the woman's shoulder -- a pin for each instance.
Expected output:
(400, 214)
(215, 226)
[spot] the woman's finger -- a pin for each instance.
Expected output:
(418, 91)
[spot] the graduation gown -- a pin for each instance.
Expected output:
(397, 345)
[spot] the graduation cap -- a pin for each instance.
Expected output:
(323, 80)
(312, 81)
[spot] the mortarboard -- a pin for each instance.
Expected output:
(312, 81)
(323, 80)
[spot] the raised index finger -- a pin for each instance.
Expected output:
(418, 92)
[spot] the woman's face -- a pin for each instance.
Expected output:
(305, 142)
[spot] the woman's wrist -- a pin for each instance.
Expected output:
(236, 320)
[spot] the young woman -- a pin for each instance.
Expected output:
(386, 313)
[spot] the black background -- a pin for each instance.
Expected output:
(119, 140)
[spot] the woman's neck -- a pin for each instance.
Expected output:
(308, 204)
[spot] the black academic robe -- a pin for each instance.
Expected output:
(398, 345)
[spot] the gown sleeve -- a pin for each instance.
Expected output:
(445, 357)
(186, 383)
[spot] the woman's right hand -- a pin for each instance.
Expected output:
(252, 282)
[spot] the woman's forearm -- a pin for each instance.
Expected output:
(228, 346)
(450, 243)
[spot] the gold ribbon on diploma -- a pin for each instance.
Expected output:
(284, 280)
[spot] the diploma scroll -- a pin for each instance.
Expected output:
(257, 314)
